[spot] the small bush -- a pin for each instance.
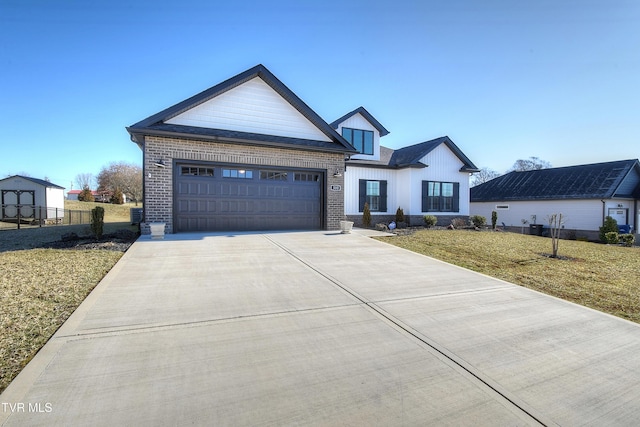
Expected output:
(627, 239)
(610, 225)
(86, 195)
(478, 221)
(430, 220)
(97, 221)
(117, 198)
(366, 216)
(399, 215)
(459, 223)
(494, 219)
(612, 237)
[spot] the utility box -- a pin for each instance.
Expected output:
(536, 229)
(136, 215)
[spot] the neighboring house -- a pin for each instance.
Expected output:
(584, 194)
(248, 154)
(430, 178)
(97, 195)
(30, 199)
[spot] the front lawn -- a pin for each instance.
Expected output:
(39, 289)
(606, 278)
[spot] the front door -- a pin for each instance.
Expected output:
(619, 214)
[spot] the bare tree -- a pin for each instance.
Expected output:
(483, 175)
(530, 164)
(123, 176)
(84, 180)
(556, 221)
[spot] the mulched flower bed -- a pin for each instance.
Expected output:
(119, 241)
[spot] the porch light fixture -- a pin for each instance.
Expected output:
(160, 164)
(337, 173)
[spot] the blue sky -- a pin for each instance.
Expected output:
(506, 80)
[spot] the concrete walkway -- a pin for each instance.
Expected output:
(319, 328)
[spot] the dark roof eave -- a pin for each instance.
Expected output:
(137, 133)
(544, 198)
(469, 169)
(376, 124)
(383, 166)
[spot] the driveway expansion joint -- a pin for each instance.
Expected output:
(451, 357)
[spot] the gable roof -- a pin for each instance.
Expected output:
(592, 181)
(410, 156)
(364, 113)
(35, 180)
(156, 124)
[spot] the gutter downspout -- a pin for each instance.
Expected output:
(603, 211)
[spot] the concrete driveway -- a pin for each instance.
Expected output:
(318, 328)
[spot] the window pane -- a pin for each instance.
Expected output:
(447, 189)
(273, 175)
(368, 142)
(237, 173)
(373, 188)
(346, 134)
(434, 189)
(374, 203)
(357, 139)
(434, 203)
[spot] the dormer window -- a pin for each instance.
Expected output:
(362, 140)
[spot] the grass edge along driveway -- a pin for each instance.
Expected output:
(602, 277)
(39, 289)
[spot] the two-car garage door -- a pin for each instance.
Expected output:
(212, 197)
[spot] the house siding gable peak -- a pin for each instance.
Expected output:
(252, 107)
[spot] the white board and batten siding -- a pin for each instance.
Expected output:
(443, 166)
(357, 121)
(578, 214)
(252, 107)
(404, 186)
(352, 177)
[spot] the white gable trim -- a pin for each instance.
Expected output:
(252, 107)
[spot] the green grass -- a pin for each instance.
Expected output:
(606, 278)
(112, 213)
(39, 289)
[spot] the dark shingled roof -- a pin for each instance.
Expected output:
(35, 180)
(593, 181)
(361, 110)
(155, 124)
(410, 156)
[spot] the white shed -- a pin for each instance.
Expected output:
(30, 198)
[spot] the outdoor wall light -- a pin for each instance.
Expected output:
(337, 173)
(160, 164)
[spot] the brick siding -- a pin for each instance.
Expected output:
(158, 191)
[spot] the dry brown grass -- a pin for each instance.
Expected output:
(39, 289)
(606, 278)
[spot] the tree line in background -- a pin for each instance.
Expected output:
(486, 174)
(114, 182)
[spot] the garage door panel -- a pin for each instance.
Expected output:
(263, 201)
